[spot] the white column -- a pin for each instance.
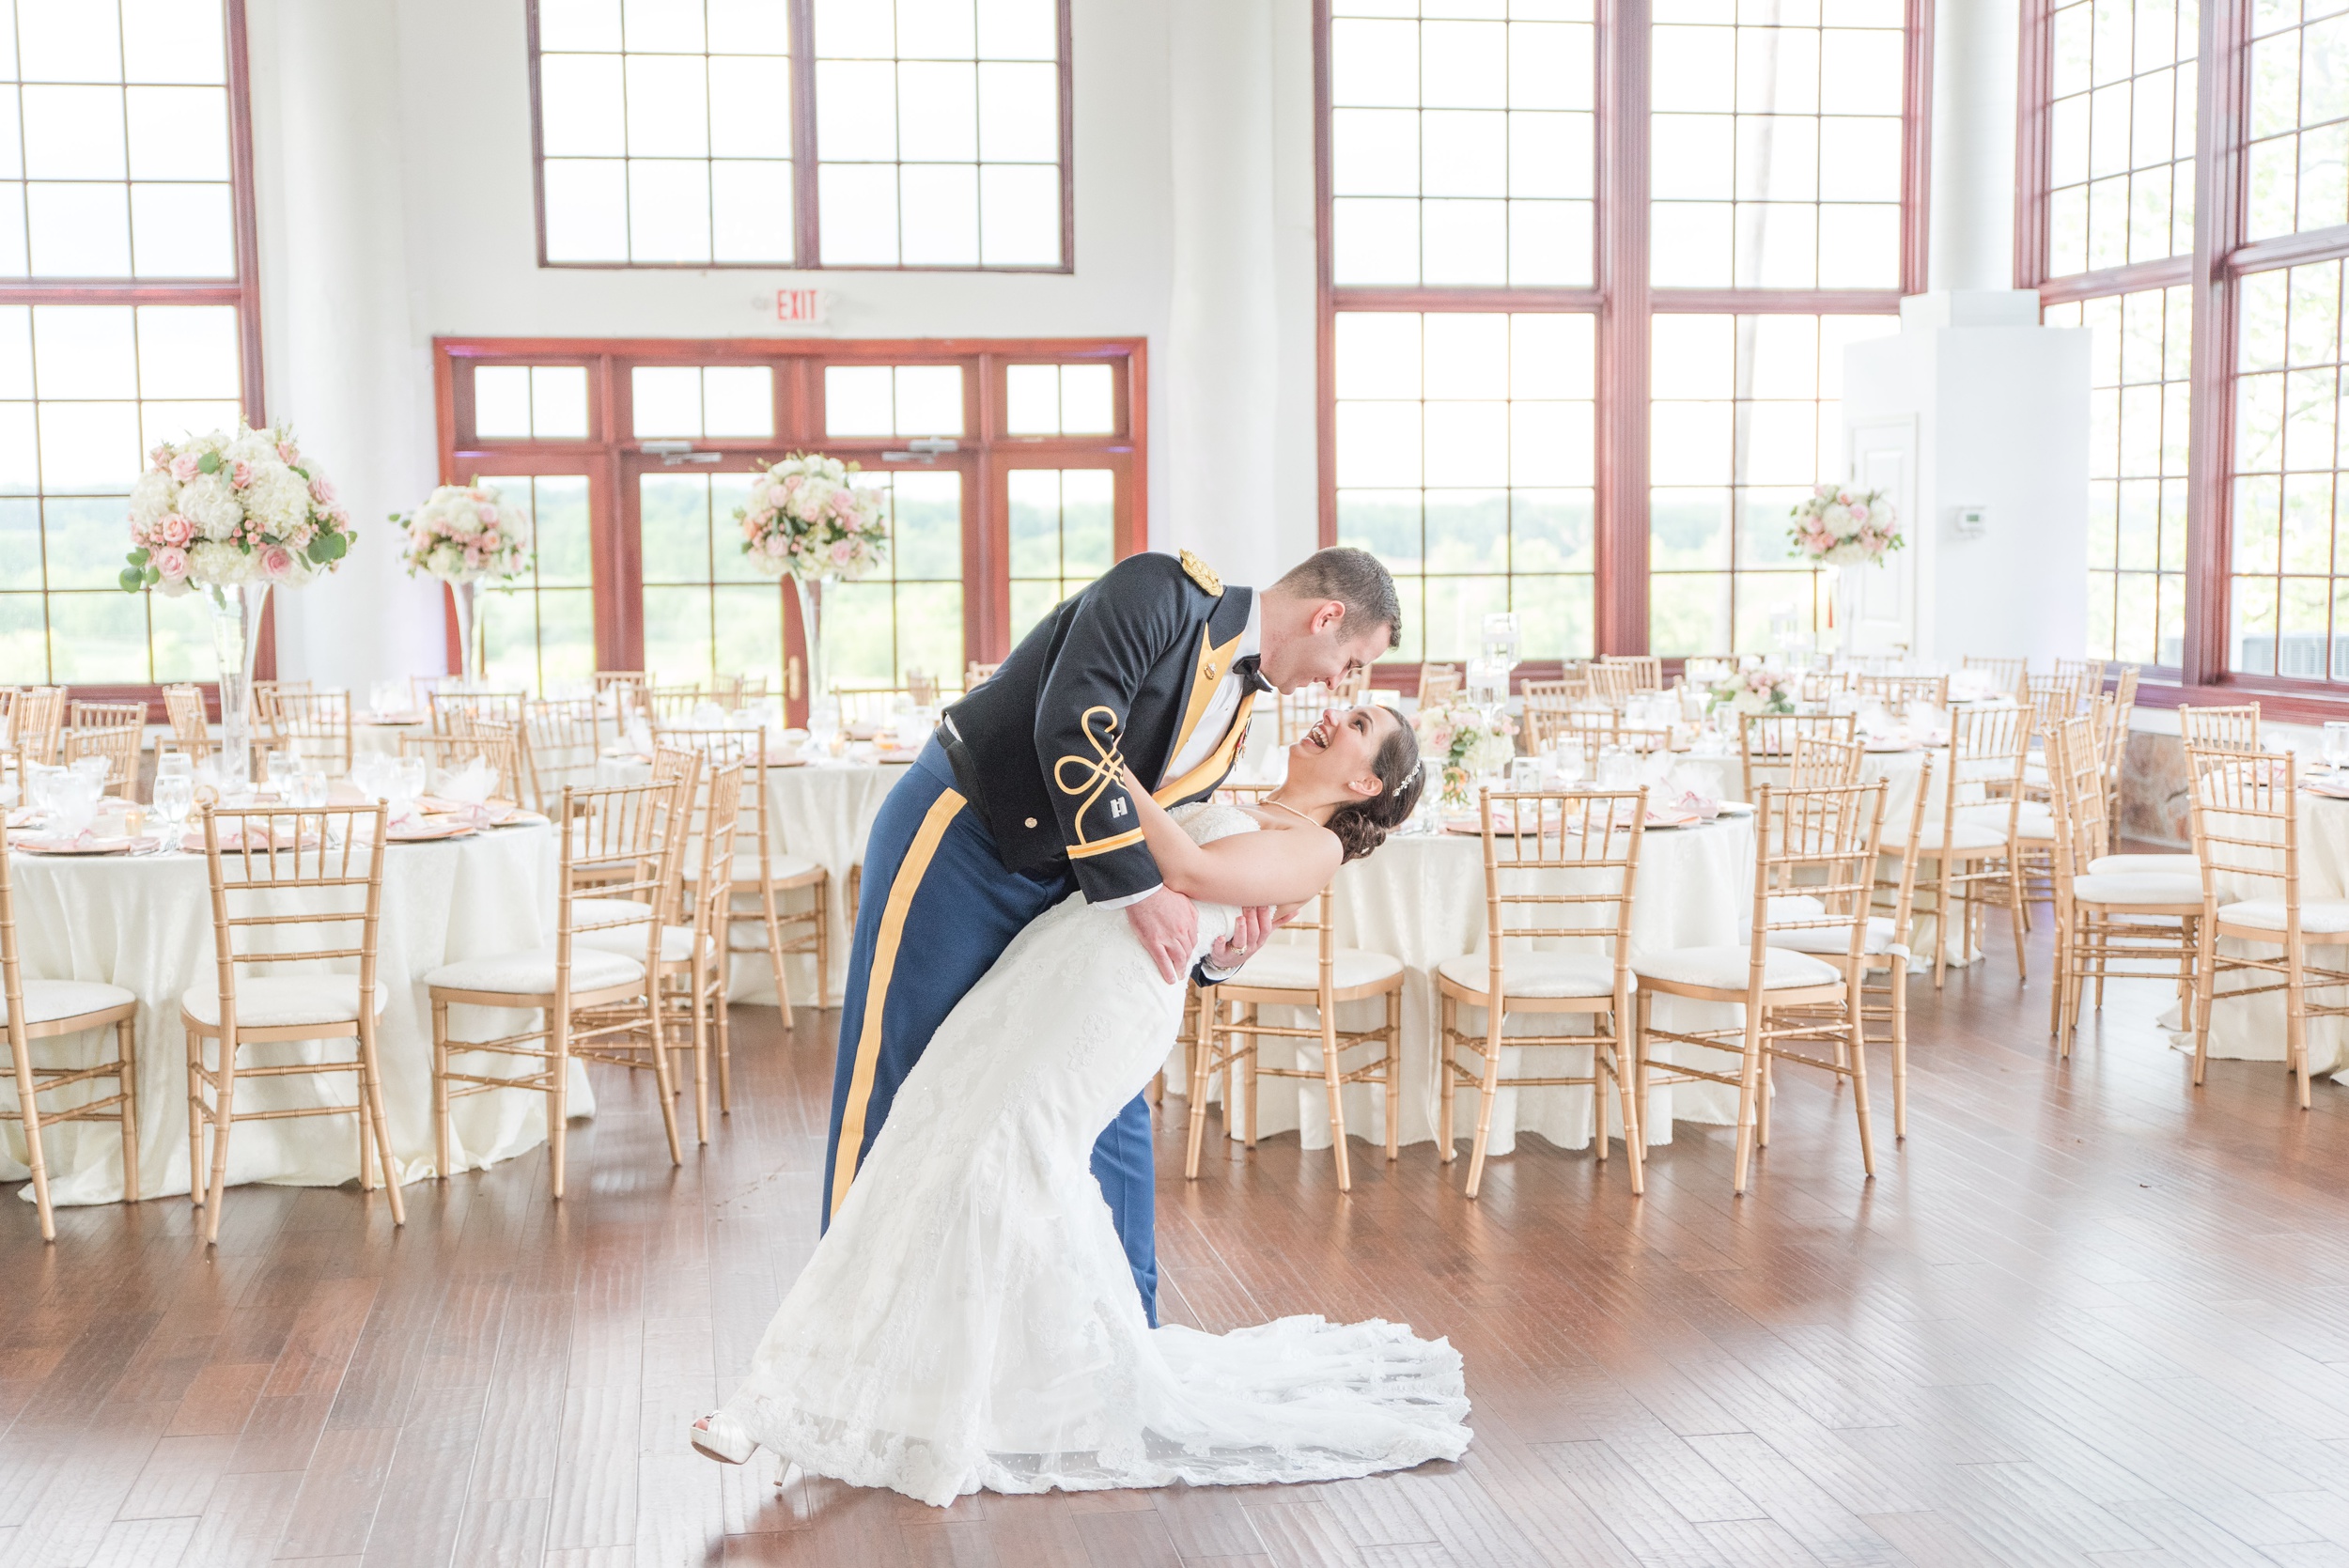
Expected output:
(1975, 68)
(343, 363)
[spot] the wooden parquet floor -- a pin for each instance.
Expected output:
(2086, 1315)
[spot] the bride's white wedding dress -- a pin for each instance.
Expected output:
(969, 1320)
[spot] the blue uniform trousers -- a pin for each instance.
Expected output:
(938, 910)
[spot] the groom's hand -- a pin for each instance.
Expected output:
(1168, 924)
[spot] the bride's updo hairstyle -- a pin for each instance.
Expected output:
(1363, 826)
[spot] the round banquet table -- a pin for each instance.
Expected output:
(377, 733)
(1422, 898)
(820, 811)
(2253, 1028)
(146, 924)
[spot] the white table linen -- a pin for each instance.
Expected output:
(2251, 1029)
(146, 924)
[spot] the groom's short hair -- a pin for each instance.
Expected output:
(1356, 578)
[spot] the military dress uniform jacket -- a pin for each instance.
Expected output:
(1118, 676)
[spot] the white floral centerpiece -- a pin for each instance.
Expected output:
(1843, 527)
(1757, 690)
(807, 520)
(235, 516)
(1466, 740)
(461, 535)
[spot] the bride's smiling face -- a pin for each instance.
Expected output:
(1338, 757)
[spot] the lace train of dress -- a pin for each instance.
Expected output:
(969, 1319)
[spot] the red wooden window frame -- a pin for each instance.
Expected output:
(2220, 259)
(243, 292)
(807, 227)
(1623, 299)
(610, 461)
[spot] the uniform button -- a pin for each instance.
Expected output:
(1032, 822)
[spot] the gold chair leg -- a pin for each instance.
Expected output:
(1393, 1082)
(1859, 1083)
(721, 1017)
(1337, 1104)
(127, 1058)
(1201, 1068)
(28, 1105)
(1487, 1092)
(1248, 1069)
(1748, 1086)
(771, 913)
(197, 1115)
(223, 1112)
(1447, 1068)
(371, 1109)
(558, 1016)
(443, 1134)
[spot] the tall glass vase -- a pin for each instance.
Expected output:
(236, 638)
(467, 648)
(819, 695)
(1847, 610)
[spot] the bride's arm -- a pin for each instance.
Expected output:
(1250, 870)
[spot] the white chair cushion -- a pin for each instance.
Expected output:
(1834, 940)
(2328, 916)
(608, 913)
(1729, 969)
(281, 1000)
(46, 1000)
(783, 868)
(1297, 967)
(2160, 865)
(532, 972)
(1535, 974)
(1966, 835)
(2137, 887)
(676, 942)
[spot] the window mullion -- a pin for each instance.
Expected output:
(1620, 545)
(806, 235)
(2220, 108)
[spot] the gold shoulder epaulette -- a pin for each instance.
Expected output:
(1201, 573)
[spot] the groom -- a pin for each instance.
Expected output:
(1016, 801)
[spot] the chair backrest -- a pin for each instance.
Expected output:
(1767, 741)
(1316, 919)
(1707, 668)
(1438, 682)
(716, 832)
(749, 692)
(2052, 697)
(975, 671)
(868, 704)
(327, 861)
(1897, 692)
(316, 727)
(679, 767)
(564, 744)
(9, 695)
(2087, 674)
(1555, 694)
(1823, 759)
(1612, 683)
(1988, 750)
(40, 718)
(450, 707)
(1897, 896)
(83, 715)
(2008, 673)
(619, 696)
(184, 705)
(445, 755)
(1647, 669)
(619, 843)
(119, 745)
(509, 740)
(2076, 795)
(670, 703)
(1590, 728)
(1814, 863)
(2221, 729)
(2246, 826)
(1595, 841)
(745, 745)
(1351, 690)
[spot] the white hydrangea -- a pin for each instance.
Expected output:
(218, 565)
(252, 446)
(278, 497)
(152, 497)
(209, 501)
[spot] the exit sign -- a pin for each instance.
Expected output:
(800, 306)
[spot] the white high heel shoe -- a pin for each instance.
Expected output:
(722, 1437)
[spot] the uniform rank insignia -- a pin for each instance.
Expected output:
(1201, 573)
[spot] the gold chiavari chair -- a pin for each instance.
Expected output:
(2247, 835)
(452, 709)
(1589, 728)
(328, 862)
(316, 727)
(9, 695)
(749, 692)
(1555, 694)
(1647, 669)
(2008, 673)
(1614, 684)
(118, 745)
(190, 729)
(592, 1004)
(445, 755)
(868, 704)
(691, 959)
(268, 733)
(667, 704)
(1438, 682)
(1799, 976)
(2053, 697)
(1820, 760)
(1351, 690)
(762, 874)
(2117, 710)
(2087, 675)
(2107, 918)
(619, 697)
(1897, 692)
(1973, 844)
(40, 720)
(1557, 945)
(975, 671)
(519, 774)
(83, 715)
(564, 745)
(1321, 976)
(1766, 742)
(2221, 729)
(48, 1010)
(420, 690)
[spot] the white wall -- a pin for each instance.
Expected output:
(393, 182)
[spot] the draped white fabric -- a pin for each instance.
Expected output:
(147, 925)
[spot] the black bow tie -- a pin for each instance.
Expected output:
(1247, 666)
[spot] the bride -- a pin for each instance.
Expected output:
(969, 1319)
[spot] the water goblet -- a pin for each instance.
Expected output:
(278, 767)
(174, 799)
(175, 765)
(2336, 743)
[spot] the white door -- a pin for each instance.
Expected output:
(1882, 600)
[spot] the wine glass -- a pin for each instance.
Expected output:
(279, 768)
(174, 799)
(2336, 743)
